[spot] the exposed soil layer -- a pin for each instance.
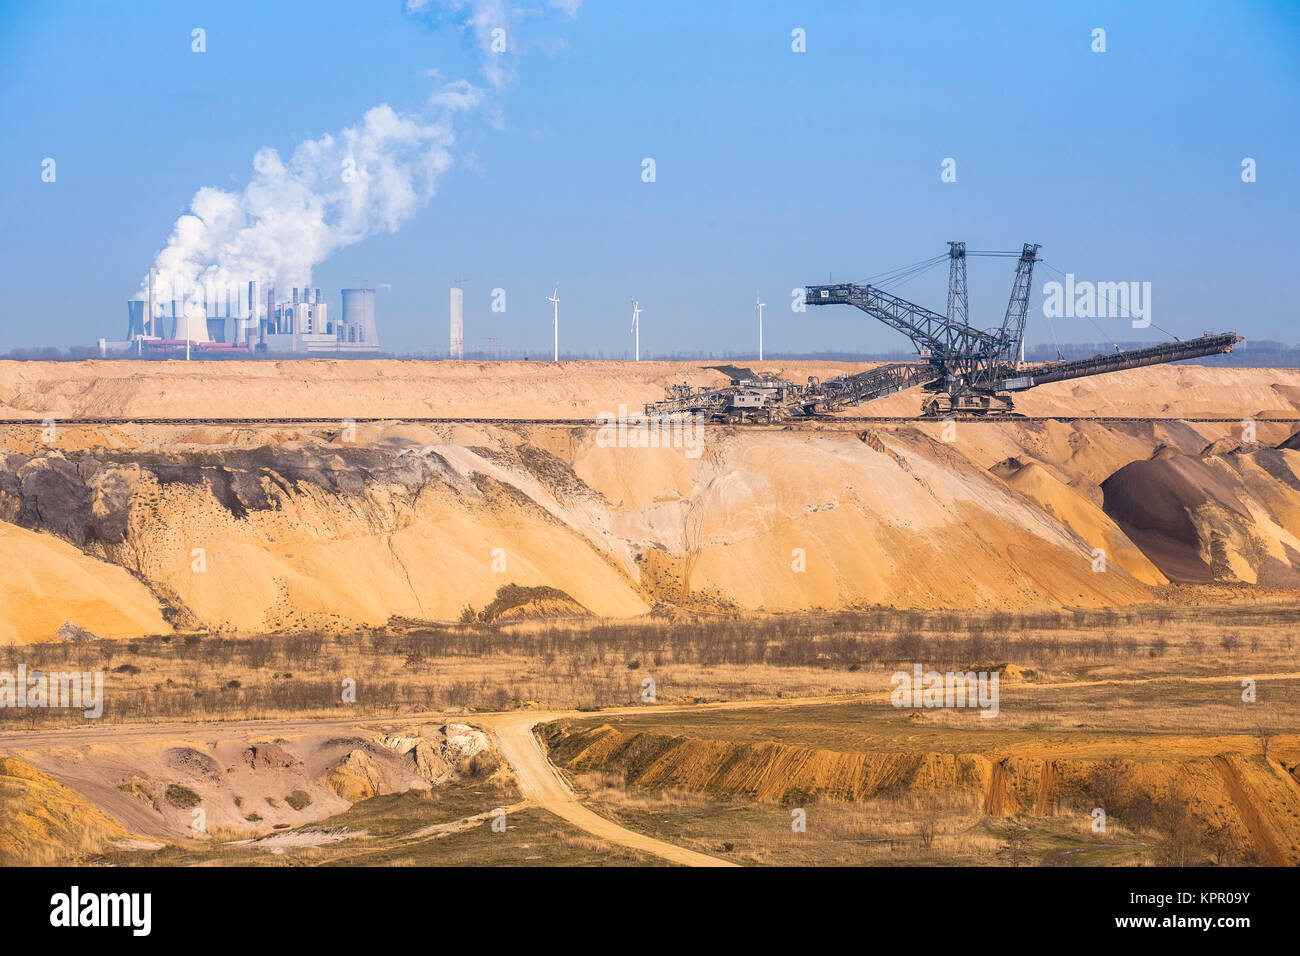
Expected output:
(63, 802)
(119, 531)
(1252, 800)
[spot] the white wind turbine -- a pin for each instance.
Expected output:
(760, 326)
(636, 327)
(554, 299)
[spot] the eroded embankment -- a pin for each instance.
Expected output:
(44, 823)
(70, 801)
(131, 531)
(1250, 802)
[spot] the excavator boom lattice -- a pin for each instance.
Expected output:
(962, 368)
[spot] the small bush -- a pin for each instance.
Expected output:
(925, 832)
(181, 797)
(798, 797)
(482, 764)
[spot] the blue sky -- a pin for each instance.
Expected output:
(773, 168)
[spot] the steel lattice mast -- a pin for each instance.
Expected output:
(973, 369)
(965, 369)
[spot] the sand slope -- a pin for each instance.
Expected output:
(1221, 517)
(338, 389)
(47, 583)
(257, 528)
(44, 823)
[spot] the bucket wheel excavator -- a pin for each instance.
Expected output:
(976, 371)
(962, 369)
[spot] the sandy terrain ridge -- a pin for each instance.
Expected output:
(255, 530)
(339, 389)
(130, 530)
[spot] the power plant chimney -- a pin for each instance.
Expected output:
(295, 295)
(147, 325)
(270, 309)
(252, 313)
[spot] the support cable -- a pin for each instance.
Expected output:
(1108, 304)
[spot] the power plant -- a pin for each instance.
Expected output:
(965, 369)
(301, 323)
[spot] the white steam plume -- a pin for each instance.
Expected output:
(494, 24)
(333, 191)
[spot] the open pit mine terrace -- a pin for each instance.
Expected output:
(458, 482)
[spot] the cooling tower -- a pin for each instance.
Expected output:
(192, 325)
(134, 318)
(359, 313)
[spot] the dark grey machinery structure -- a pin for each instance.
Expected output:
(963, 369)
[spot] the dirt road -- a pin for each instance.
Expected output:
(543, 786)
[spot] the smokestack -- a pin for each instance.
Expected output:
(252, 313)
(317, 297)
(173, 317)
(147, 325)
(295, 295)
(270, 307)
(227, 301)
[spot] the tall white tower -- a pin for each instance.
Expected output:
(554, 299)
(760, 304)
(457, 323)
(149, 319)
(636, 327)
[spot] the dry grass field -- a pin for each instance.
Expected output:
(901, 829)
(1141, 711)
(585, 665)
(443, 827)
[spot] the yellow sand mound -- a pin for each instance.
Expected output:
(48, 582)
(43, 823)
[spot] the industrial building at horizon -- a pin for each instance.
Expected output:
(300, 324)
